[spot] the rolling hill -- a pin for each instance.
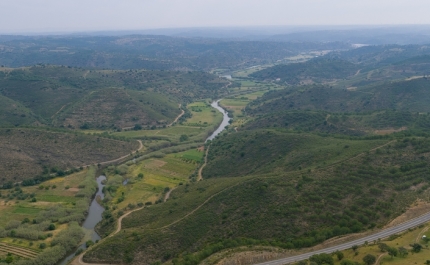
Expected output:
(73, 98)
(312, 71)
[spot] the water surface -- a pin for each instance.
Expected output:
(225, 120)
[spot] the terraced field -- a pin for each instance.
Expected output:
(18, 251)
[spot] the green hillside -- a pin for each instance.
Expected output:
(13, 113)
(410, 95)
(289, 209)
(28, 153)
(350, 124)
(117, 109)
(316, 70)
(74, 97)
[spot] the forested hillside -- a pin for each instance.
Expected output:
(316, 70)
(75, 97)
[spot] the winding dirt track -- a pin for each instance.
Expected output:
(167, 196)
(177, 118)
(200, 176)
(79, 260)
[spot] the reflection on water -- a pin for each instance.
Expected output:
(94, 216)
(224, 123)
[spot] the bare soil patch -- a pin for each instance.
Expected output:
(390, 131)
(417, 209)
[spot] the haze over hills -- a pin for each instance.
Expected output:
(326, 140)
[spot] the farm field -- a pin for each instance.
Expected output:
(28, 211)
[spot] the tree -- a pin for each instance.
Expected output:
(383, 247)
(392, 252)
(339, 255)
(183, 138)
(403, 252)
(51, 227)
(322, 258)
(354, 248)
(369, 259)
(416, 247)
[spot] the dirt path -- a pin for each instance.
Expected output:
(200, 176)
(121, 158)
(417, 240)
(59, 111)
(379, 258)
(167, 196)
(79, 260)
(120, 221)
(358, 72)
(85, 74)
(177, 118)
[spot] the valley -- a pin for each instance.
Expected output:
(243, 161)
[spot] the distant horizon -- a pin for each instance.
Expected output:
(289, 28)
(53, 16)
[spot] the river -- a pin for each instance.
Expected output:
(96, 210)
(225, 120)
(94, 216)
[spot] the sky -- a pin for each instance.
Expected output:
(18, 16)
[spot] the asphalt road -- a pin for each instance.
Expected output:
(380, 235)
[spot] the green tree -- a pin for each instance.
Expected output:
(369, 259)
(392, 252)
(51, 227)
(403, 252)
(383, 247)
(183, 138)
(354, 248)
(9, 258)
(339, 255)
(322, 258)
(416, 247)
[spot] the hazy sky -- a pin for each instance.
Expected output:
(90, 15)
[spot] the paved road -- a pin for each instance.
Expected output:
(380, 235)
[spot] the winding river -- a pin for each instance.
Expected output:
(225, 120)
(96, 210)
(94, 216)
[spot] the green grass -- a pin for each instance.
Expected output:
(203, 115)
(56, 198)
(194, 155)
(27, 210)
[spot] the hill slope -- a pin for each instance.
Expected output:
(288, 209)
(29, 153)
(316, 70)
(410, 95)
(63, 96)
